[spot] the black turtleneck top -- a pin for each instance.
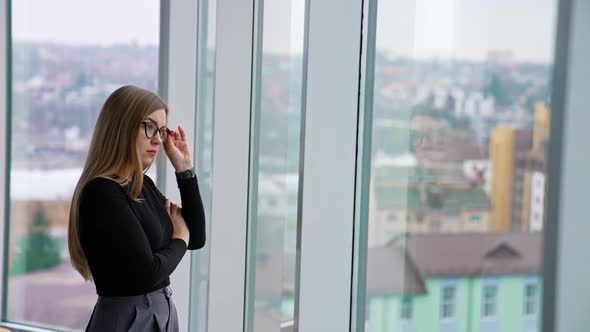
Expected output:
(129, 244)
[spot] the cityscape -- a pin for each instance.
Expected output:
(456, 199)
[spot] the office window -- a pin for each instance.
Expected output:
(489, 301)
(67, 57)
(455, 113)
(206, 51)
(274, 176)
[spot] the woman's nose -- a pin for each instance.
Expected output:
(157, 139)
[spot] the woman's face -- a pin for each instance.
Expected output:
(149, 147)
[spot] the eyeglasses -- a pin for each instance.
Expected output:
(151, 129)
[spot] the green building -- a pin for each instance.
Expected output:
(464, 282)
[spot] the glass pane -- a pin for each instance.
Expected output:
(530, 300)
(489, 301)
(67, 57)
(454, 104)
(203, 155)
(274, 172)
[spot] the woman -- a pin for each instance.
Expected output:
(123, 233)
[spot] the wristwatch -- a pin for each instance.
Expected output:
(189, 173)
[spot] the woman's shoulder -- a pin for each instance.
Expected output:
(101, 186)
(101, 196)
(104, 182)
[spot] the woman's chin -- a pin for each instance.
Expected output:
(147, 162)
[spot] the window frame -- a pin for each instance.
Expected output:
(448, 303)
(533, 302)
(331, 68)
(5, 114)
(230, 169)
(5, 129)
(485, 301)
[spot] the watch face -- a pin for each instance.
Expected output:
(186, 174)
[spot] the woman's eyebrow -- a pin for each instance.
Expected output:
(156, 122)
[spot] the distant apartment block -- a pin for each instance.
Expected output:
(421, 200)
(519, 158)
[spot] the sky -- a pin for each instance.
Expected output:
(466, 29)
(86, 22)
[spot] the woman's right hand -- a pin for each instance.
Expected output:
(178, 224)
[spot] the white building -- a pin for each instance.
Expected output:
(537, 203)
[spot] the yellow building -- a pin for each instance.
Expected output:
(542, 126)
(502, 157)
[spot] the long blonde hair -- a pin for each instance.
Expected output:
(113, 154)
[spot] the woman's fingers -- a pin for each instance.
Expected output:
(174, 209)
(169, 142)
(182, 133)
(174, 134)
(167, 205)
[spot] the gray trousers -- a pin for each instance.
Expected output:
(151, 312)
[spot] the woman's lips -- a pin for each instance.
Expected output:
(153, 153)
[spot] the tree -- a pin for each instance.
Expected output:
(36, 250)
(494, 87)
